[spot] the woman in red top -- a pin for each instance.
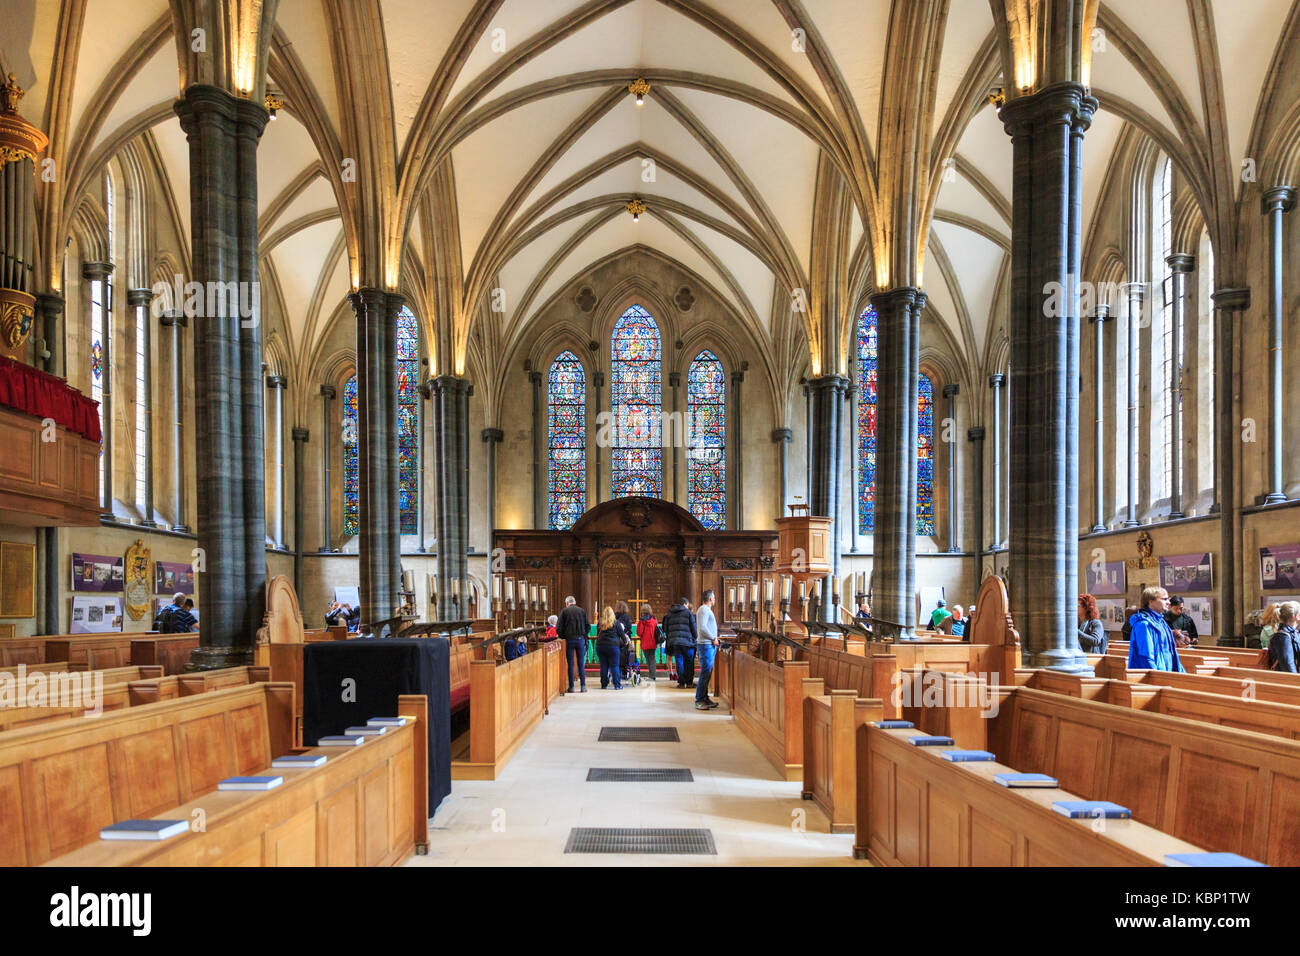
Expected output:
(647, 631)
(551, 632)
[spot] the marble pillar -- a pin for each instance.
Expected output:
(976, 438)
(300, 437)
(541, 498)
(1136, 303)
(174, 321)
(492, 437)
(1227, 444)
(736, 505)
(1179, 266)
(997, 383)
(1276, 202)
(139, 299)
(1099, 320)
(327, 395)
(277, 384)
(949, 430)
(781, 437)
(451, 444)
(99, 272)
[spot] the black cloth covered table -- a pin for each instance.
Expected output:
(382, 669)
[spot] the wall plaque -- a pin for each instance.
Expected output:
(17, 579)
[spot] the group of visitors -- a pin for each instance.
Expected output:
(689, 638)
(179, 617)
(1279, 637)
(952, 622)
(343, 613)
(1155, 629)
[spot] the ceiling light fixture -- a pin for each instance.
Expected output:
(639, 88)
(636, 207)
(273, 103)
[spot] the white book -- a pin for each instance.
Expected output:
(298, 760)
(387, 721)
(250, 783)
(144, 829)
(341, 740)
(367, 731)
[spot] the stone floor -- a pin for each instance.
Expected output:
(523, 818)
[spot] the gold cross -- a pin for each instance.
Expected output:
(636, 603)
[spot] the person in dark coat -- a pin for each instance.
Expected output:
(624, 619)
(1284, 645)
(681, 635)
(573, 627)
(1092, 634)
(1181, 623)
(609, 640)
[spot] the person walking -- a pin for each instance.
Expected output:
(1151, 643)
(573, 627)
(608, 641)
(680, 631)
(706, 649)
(647, 632)
(1092, 634)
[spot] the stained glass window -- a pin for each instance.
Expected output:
(636, 396)
(566, 399)
(706, 455)
(351, 474)
(408, 420)
(867, 436)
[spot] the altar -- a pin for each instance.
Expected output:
(640, 550)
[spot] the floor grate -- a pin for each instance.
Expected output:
(639, 734)
(668, 840)
(639, 775)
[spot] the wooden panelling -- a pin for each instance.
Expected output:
(172, 651)
(767, 704)
(507, 701)
(37, 488)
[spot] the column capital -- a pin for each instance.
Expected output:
(1102, 313)
(368, 298)
(598, 379)
(50, 303)
(276, 381)
(1280, 198)
(1181, 262)
(674, 379)
(138, 297)
(951, 390)
(96, 270)
(300, 434)
(1059, 103)
(975, 434)
(782, 434)
(1136, 291)
(907, 295)
(492, 434)
(534, 377)
(737, 377)
(328, 391)
(836, 383)
(173, 318)
(997, 380)
(1232, 300)
(450, 383)
(202, 98)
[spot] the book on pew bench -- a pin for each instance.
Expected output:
(1025, 780)
(368, 730)
(893, 724)
(341, 740)
(1209, 859)
(387, 721)
(1091, 809)
(144, 829)
(967, 756)
(930, 741)
(298, 760)
(250, 783)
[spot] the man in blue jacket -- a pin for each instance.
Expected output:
(1151, 642)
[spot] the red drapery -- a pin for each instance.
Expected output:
(34, 392)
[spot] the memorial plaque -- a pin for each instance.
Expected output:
(617, 580)
(659, 583)
(17, 579)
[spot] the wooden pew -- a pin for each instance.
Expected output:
(65, 692)
(172, 651)
(96, 651)
(1235, 656)
(916, 809)
(830, 725)
(1248, 684)
(506, 702)
(767, 704)
(199, 682)
(339, 632)
(365, 806)
(1220, 787)
(458, 664)
(555, 671)
(22, 650)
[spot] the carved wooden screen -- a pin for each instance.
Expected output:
(659, 583)
(617, 580)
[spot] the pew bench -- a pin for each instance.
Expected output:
(67, 693)
(830, 726)
(767, 704)
(461, 656)
(506, 703)
(157, 689)
(366, 806)
(915, 808)
(172, 651)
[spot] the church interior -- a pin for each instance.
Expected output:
(863, 336)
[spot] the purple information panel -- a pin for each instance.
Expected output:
(1186, 572)
(1105, 578)
(1279, 567)
(97, 572)
(171, 578)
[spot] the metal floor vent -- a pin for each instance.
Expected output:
(665, 840)
(639, 775)
(640, 734)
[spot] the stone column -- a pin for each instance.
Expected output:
(898, 318)
(49, 308)
(827, 392)
(597, 382)
(541, 513)
(849, 439)
(1180, 265)
(175, 320)
(674, 383)
(379, 516)
(950, 392)
(997, 382)
(1276, 201)
(781, 437)
(692, 565)
(223, 131)
(300, 436)
(421, 501)
(1227, 442)
(327, 394)
(99, 272)
(736, 506)
(1046, 130)
(277, 385)
(976, 438)
(451, 432)
(807, 437)
(1136, 298)
(139, 299)
(492, 437)
(1099, 319)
